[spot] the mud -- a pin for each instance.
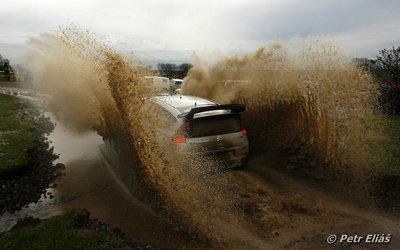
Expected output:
(302, 212)
(307, 100)
(90, 183)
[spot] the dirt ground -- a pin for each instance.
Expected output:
(282, 211)
(301, 213)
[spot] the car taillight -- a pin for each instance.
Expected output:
(182, 133)
(244, 131)
(180, 140)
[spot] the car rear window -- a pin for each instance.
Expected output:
(215, 125)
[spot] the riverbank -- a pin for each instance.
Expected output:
(72, 230)
(16, 136)
(27, 166)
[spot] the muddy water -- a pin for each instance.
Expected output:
(44, 208)
(89, 183)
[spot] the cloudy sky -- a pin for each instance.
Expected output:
(175, 27)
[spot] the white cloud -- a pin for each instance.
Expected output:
(361, 26)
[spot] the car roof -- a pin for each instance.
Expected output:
(178, 104)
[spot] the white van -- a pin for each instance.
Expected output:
(175, 84)
(160, 84)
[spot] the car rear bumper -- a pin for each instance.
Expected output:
(227, 158)
(231, 158)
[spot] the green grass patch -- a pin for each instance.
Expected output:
(16, 136)
(58, 232)
(385, 149)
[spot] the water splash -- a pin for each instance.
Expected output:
(93, 87)
(311, 104)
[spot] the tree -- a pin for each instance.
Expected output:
(1, 63)
(184, 69)
(7, 69)
(387, 72)
(167, 69)
(388, 65)
(365, 63)
(171, 70)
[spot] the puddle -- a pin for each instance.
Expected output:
(90, 184)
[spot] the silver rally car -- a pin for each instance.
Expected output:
(197, 123)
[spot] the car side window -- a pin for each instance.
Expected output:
(163, 117)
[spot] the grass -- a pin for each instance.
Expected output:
(58, 232)
(16, 136)
(385, 150)
(4, 78)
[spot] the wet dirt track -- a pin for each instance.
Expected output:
(309, 210)
(283, 211)
(89, 185)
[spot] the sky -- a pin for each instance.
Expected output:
(170, 30)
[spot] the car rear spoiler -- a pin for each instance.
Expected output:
(234, 108)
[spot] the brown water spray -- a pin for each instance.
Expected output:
(312, 105)
(93, 87)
